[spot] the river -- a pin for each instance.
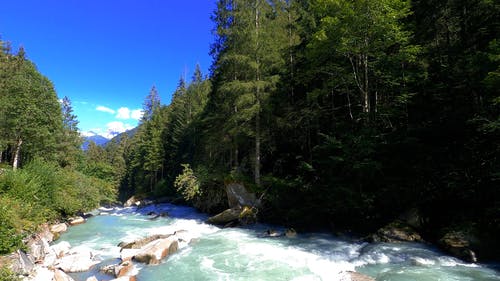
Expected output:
(244, 254)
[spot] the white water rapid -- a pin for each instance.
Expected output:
(243, 254)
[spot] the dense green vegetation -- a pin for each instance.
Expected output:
(44, 175)
(344, 113)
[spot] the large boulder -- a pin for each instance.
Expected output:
(225, 217)
(395, 232)
(119, 270)
(239, 196)
(413, 217)
(458, 244)
(78, 260)
(38, 249)
(128, 254)
(60, 249)
(58, 228)
(132, 201)
(20, 263)
(76, 220)
(234, 216)
(155, 251)
(42, 273)
(141, 242)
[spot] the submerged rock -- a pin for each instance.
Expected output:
(355, 276)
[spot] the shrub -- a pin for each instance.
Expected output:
(187, 183)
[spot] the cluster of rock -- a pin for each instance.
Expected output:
(462, 244)
(43, 261)
(243, 207)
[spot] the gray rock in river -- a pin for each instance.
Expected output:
(155, 251)
(141, 242)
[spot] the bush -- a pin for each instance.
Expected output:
(7, 275)
(187, 183)
(42, 192)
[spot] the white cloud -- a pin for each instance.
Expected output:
(105, 109)
(116, 127)
(87, 134)
(137, 114)
(123, 113)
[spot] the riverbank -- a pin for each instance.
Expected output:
(207, 252)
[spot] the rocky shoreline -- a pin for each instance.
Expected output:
(43, 261)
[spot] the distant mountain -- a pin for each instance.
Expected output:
(119, 137)
(102, 141)
(97, 139)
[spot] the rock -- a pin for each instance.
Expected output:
(128, 254)
(43, 274)
(153, 252)
(108, 269)
(239, 196)
(225, 217)
(141, 242)
(76, 220)
(60, 249)
(22, 264)
(78, 260)
(413, 217)
(125, 278)
(61, 276)
(458, 244)
(395, 232)
(291, 233)
(38, 249)
(124, 268)
(92, 278)
(58, 228)
(118, 270)
(132, 201)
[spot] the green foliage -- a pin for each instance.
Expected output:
(187, 183)
(42, 192)
(353, 110)
(7, 275)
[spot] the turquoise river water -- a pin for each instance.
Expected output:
(244, 254)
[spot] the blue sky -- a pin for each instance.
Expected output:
(105, 55)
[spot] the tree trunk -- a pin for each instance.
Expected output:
(17, 154)
(257, 95)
